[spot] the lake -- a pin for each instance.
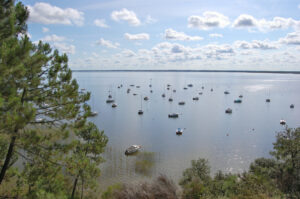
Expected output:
(229, 141)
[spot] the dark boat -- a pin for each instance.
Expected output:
(181, 103)
(179, 131)
(237, 101)
(110, 101)
(226, 92)
(229, 110)
(268, 100)
(292, 106)
(195, 98)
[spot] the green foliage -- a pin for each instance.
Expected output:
(287, 153)
(109, 192)
(266, 178)
(40, 107)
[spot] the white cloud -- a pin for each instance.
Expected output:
(215, 35)
(208, 20)
(126, 15)
(65, 48)
(174, 35)
(291, 39)
(248, 21)
(107, 43)
(47, 14)
(53, 38)
(150, 20)
(44, 29)
(141, 36)
(245, 21)
(100, 23)
(255, 44)
(128, 53)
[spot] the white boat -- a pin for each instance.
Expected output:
(282, 122)
(94, 113)
(132, 149)
(173, 115)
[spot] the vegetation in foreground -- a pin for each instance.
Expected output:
(47, 147)
(277, 177)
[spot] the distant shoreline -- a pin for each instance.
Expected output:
(206, 71)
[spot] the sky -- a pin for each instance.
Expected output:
(170, 34)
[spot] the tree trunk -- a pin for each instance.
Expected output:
(8, 157)
(74, 187)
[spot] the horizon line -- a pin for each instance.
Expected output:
(174, 70)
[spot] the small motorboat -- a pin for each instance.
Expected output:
(241, 96)
(190, 85)
(140, 112)
(168, 88)
(146, 98)
(226, 92)
(268, 100)
(200, 93)
(163, 95)
(128, 90)
(195, 98)
(134, 94)
(173, 115)
(132, 149)
(185, 88)
(94, 113)
(109, 96)
(108, 101)
(292, 106)
(179, 131)
(114, 105)
(138, 86)
(151, 91)
(282, 122)
(181, 103)
(237, 101)
(132, 85)
(229, 110)
(174, 91)
(211, 90)
(202, 87)
(170, 99)
(168, 85)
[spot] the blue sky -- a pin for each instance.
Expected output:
(170, 34)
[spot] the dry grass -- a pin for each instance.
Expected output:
(160, 188)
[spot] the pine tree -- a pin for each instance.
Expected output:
(36, 85)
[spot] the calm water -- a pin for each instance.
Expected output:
(251, 127)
